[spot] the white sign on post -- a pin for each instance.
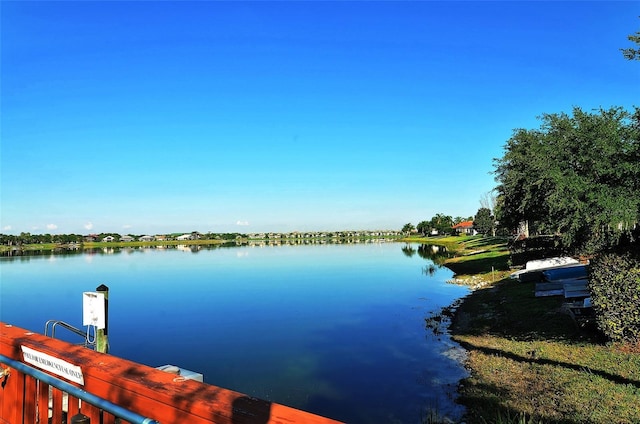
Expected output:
(52, 364)
(93, 309)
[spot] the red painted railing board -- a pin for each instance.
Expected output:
(30, 407)
(43, 401)
(152, 393)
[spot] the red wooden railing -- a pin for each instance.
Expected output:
(144, 390)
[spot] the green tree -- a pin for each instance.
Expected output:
(424, 227)
(408, 228)
(8, 239)
(483, 221)
(522, 179)
(576, 176)
(25, 238)
(442, 223)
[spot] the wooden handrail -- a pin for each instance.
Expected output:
(145, 390)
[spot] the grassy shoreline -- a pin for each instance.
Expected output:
(529, 361)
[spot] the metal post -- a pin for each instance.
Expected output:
(102, 335)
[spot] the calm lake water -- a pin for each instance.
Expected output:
(337, 330)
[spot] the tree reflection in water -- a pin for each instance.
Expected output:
(432, 252)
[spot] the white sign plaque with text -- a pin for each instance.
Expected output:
(54, 365)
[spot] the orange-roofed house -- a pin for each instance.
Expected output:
(465, 227)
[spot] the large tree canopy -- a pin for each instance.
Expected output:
(575, 176)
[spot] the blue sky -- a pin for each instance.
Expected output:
(155, 117)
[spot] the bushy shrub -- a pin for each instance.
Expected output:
(614, 282)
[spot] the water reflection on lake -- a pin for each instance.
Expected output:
(338, 330)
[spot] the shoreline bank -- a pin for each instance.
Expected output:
(529, 362)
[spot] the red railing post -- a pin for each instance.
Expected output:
(43, 402)
(12, 397)
(56, 405)
(30, 400)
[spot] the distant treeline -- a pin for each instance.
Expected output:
(67, 239)
(28, 238)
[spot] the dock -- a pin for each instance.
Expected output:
(37, 372)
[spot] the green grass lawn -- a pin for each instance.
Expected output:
(529, 361)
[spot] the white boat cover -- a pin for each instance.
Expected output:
(550, 263)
